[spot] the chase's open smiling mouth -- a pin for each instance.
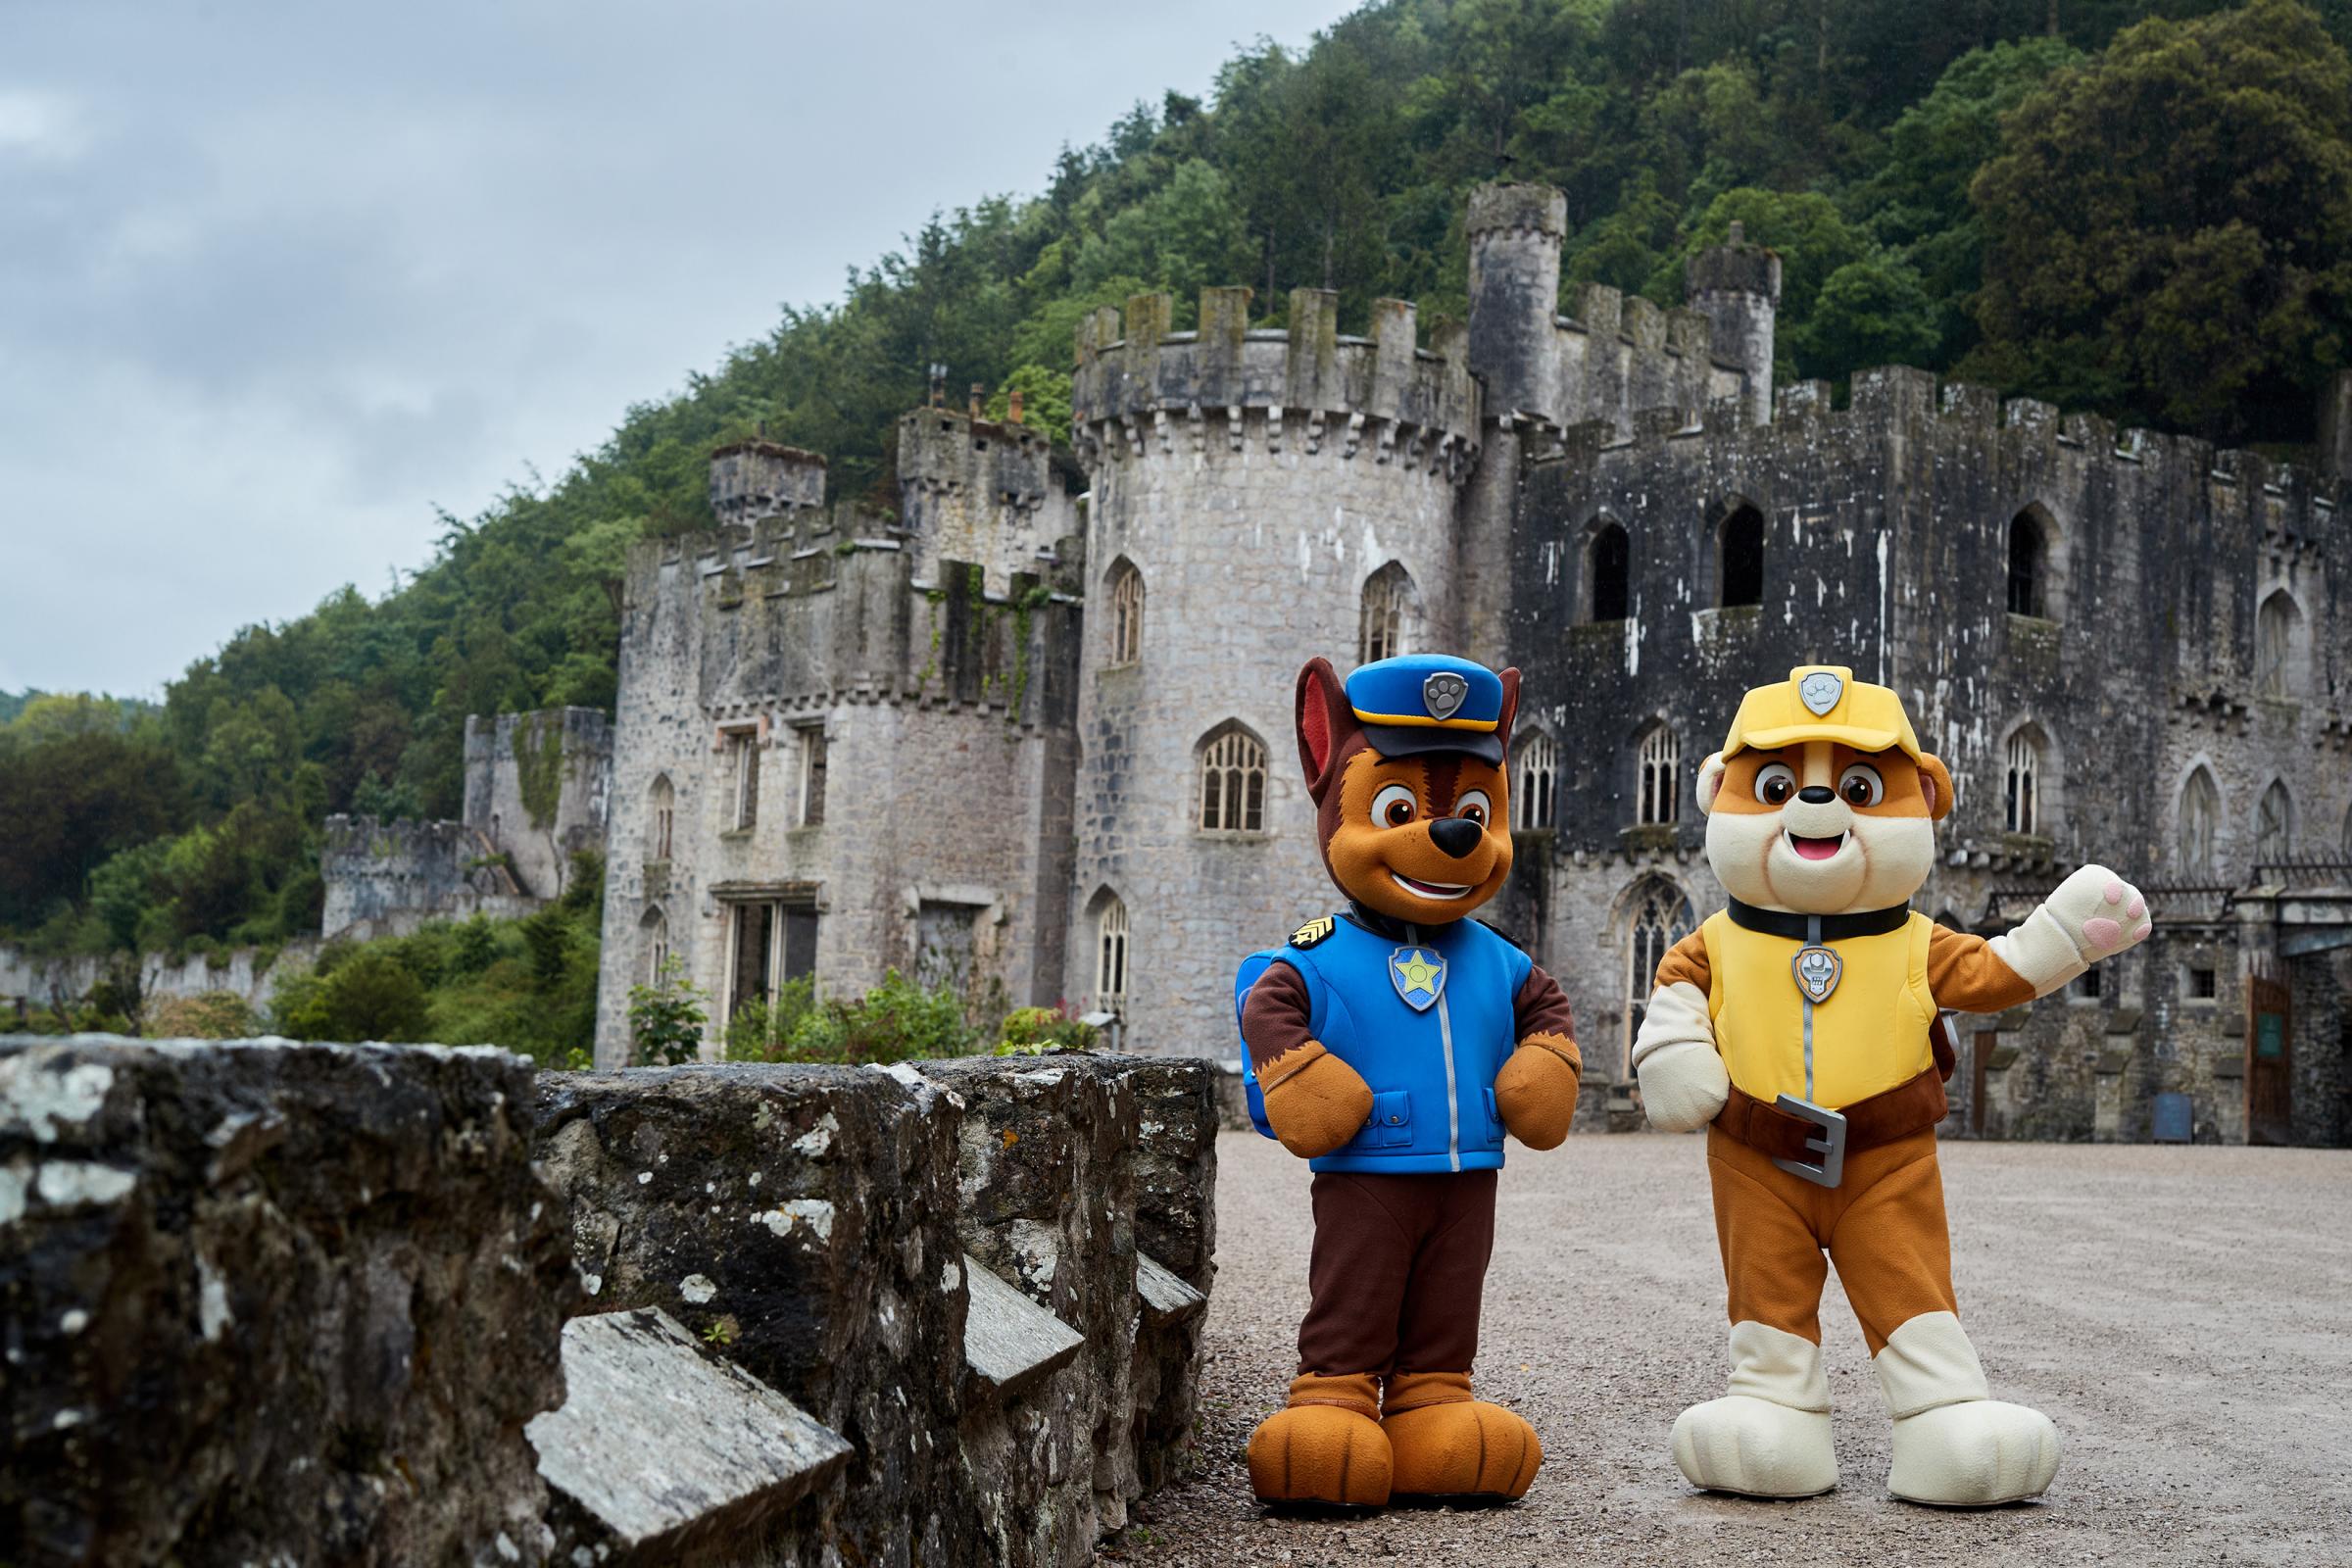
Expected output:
(1428, 890)
(1815, 849)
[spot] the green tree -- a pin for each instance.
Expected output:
(2166, 225)
(1868, 312)
(666, 1018)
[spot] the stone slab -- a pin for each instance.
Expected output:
(1166, 1298)
(659, 1444)
(1009, 1341)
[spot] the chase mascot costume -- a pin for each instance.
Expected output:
(1392, 1045)
(1799, 1026)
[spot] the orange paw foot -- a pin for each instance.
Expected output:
(1324, 1448)
(1448, 1444)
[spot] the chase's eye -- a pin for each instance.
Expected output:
(1394, 806)
(1474, 806)
(1776, 782)
(1860, 785)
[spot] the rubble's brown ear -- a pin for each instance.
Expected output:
(1325, 722)
(1510, 708)
(1710, 781)
(1936, 783)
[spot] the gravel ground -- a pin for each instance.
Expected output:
(2184, 1314)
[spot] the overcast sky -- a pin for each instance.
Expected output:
(276, 281)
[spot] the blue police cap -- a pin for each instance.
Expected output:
(1429, 703)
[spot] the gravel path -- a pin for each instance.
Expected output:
(2184, 1314)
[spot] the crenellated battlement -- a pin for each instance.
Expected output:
(979, 490)
(759, 478)
(1142, 390)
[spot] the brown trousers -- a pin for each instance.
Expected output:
(1882, 1226)
(1398, 1267)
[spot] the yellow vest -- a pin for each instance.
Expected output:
(1870, 1034)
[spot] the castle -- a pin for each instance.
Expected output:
(1034, 729)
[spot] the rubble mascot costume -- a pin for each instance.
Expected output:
(1392, 1044)
(1802, 1022)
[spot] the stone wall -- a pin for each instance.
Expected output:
(815, 1226)
(281, 1303)
(536, 790)
(390, 877)
(271, 1302)
(251, 975)
(1887, 530)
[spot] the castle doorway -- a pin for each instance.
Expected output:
(2270, 1062)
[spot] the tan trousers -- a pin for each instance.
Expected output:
(1882, 1226)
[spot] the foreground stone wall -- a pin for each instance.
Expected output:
(268, 1303)
(275, 1302)
(818, 1226)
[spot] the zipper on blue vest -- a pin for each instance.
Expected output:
(1454, 1093)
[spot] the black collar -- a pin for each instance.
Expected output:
(1818, 927)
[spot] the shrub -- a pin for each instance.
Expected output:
(209, 1015)
(1034, 1031)
(761, 1031)
(368, 996)
(666, 1017)
(897, 1021)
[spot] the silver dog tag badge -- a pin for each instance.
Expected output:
(1818, 969)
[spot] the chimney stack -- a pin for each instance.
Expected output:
(1013, 407)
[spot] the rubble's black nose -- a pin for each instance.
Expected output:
(1816, 795)
(1457, 836)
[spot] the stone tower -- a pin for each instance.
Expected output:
(1258, 497)
(1736, 287)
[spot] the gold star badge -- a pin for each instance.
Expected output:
(1418, 976)
(1418, 973)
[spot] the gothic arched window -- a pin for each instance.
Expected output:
(661, 817)
(1110, 956)
(654, 945)
(2024, 782)
(1609, 568)
(2199, 813)
(2274, 825)
(1740, 558)
(1126, 615)
(2276, 626)
(1660, 766)
(1387, 613)
(2029, 550)
(1538, 780)
(1658, 917)
(1233, 782)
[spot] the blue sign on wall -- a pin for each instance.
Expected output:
(2174, 1122)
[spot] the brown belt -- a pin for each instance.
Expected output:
(1884, 1117)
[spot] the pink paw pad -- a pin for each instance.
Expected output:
(2115, 890)
(2139, 907)
(2102, 932)
(2141, 934)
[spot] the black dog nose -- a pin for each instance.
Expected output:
(1457, 836)
(1816, 795)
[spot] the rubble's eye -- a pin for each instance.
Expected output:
(1394, 806)
(1474, 806)
(1776, 783)
(1860, 785)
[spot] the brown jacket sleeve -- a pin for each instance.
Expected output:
(1965, 974)
(1274, 1017)
(1542, 1007)
(1686, 960)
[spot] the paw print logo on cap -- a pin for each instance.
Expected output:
(1820, 692)
(1443, 694)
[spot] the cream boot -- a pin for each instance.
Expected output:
(1953, 1445)
(1769, 1437)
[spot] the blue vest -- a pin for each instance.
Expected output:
(1427, 1021)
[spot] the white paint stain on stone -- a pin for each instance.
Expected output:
(697, 1287)
(814, 1212)
(211, 1299)
(593, 1284)
(644, 1177)
(817, 1140)
(43, 1098)
(69, 1183)
(14, 1179)
(73, 1321)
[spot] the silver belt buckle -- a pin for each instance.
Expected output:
(1830, 1147)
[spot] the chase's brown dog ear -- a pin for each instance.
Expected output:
(1510, 708)
(1325, 724)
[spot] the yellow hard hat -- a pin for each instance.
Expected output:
(1820, 703)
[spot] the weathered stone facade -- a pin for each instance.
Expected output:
(277, 1302)
(1618, 502)
(535, 796)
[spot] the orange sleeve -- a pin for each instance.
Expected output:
(1964, 973)
(1686, 960)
